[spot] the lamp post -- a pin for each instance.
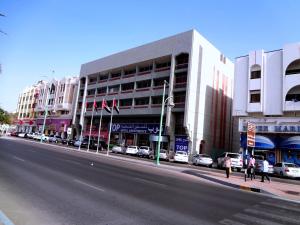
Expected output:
(46, 112)
(161, 118)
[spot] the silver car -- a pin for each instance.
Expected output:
(203, 160)
(285, 169)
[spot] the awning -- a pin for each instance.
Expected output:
(261, 142)
(291, 143)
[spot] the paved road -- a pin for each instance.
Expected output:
(40, 184)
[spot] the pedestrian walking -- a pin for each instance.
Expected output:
(265, 171)
(227, 165)
(251, 167)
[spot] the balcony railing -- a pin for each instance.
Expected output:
(181, 66)
(126, 91)
(180, 85)
(144, 72)
(141, 106)
(142, 89)
(162, 69)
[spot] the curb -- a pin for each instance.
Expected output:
(228, 184)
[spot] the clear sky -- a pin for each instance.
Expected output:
(60, 35)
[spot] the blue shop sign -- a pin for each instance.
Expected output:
(181, 143)
(138, 128)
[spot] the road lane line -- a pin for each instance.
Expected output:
(282, 206)
(230, 222)
(255, 219)
(73, 162)
(150, 182)
(272, 215)
(17, 158)
(88, 185)
(4, 219)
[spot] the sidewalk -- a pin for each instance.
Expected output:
(280, 189)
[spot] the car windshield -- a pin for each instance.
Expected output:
(132, 146)
(204, 156)
(292, 165)
(234, 156)
(144, 147)
(181, 153)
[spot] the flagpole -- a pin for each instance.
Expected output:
(91, 124)
(112, 112)
(99, 131)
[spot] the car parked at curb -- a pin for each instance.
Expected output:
(202, 159)
(144, 151)
(285, 169)
(236, 160)
(259, 165)
(118, 149)
(181, 156)
(132, 150)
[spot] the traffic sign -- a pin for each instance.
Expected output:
(251, 134)
(69, 131)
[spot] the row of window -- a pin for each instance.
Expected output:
(255, 97)
(179, 98)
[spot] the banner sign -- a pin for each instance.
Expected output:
(251, 134)
(138, 128)
(181, 143)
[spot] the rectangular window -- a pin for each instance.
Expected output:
(103, 77)
(255, 74)
(142, 101)
(113, 89)
(126, 102)
(101, 90)
(127, 86)
(129, 71)
(255, 96)
(143, 84)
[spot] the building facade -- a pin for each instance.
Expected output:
(199, 79)
(25, 109)
(56, 100)
(267, 93)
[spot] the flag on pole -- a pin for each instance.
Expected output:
(105, 106)
(95, 105)
(115, 106)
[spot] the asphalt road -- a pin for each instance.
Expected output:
(42, 184)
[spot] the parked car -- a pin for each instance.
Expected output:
(285, 169)
(163, 154)
(259, 159)
(22, 135)
(132, 150)
(30, 135)
(144, 151)
(118, 149)
(236, 160)
(203, 160)
(181, 156)
(55, 138)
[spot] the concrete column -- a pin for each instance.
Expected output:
(83, 102)
(75, 101)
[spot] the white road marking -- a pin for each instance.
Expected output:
(150, 182)
(295, 208)
(255, 219)
(17, 158)
(230, 222)
(73, 162)
(89, 185)
(272, 215)
(4, 219)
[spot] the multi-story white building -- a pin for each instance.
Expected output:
(199, 79)
(267, 93)
(57, 97)
(25, 109)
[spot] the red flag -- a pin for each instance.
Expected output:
(105, 106)
(95, 105)
(115, 106)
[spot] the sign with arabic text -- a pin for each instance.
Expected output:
(138, 128)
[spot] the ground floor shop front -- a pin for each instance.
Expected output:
(54, 126)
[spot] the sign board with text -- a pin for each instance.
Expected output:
(250, 134)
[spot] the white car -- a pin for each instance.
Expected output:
(132, 150)
(285, 169)
(163, 154)
(202, 159)
(117, 149)
(236, 160)
(144, 151)
(22, 135)
(181, 156)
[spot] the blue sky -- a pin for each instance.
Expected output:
(56, 35)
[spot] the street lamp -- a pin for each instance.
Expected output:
(171, 104)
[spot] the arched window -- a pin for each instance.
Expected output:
(293, 94)
(255, 72)
(293, 68)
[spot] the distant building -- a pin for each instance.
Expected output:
(267, 93)
(199, 79)
(25, 109)
(57, 96)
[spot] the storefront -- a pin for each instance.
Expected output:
(54, 126)
(278, 139)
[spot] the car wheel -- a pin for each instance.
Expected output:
(238, 169)
(281, 174)
(210, 166)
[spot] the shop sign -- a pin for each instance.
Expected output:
(139, 128)
(250, 134)
(181, 143)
